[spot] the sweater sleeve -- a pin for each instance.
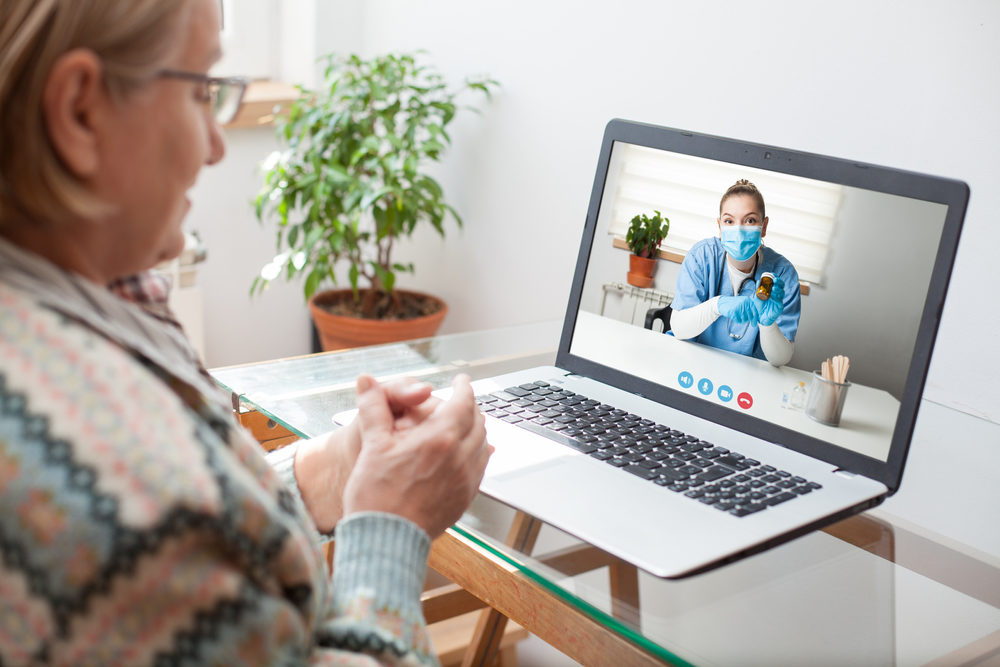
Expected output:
(379, 568)
(378, 572)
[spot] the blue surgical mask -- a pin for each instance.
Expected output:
(740, 241)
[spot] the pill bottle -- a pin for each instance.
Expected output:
(764, 288)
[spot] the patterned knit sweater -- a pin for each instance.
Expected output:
(139, 523)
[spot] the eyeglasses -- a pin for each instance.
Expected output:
(222, 96)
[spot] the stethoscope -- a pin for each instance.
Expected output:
(752, 279)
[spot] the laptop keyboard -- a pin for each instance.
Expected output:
(685, 464)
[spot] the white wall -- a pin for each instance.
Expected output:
(905, 86)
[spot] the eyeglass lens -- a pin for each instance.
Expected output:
(226, 97)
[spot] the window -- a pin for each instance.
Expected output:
(801, 212)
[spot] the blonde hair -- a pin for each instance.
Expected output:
(132, 38)
(744, 187)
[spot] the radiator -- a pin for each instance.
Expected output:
(628, 303)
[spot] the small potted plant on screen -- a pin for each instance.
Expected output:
(645, 233)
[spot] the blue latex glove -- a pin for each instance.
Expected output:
(768, 311)
(738, 308)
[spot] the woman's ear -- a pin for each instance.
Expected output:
(763, 228)
(74, 92)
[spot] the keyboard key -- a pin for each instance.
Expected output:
(640, 471)
(584, 447)
(732, 461)
(618, 463)
(714, 473)
(516, 391)
(745, 510)
(778, 499)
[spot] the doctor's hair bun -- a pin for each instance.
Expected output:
(744, 187)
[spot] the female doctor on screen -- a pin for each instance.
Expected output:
(715, 303)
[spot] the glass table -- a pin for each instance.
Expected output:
(864, 591)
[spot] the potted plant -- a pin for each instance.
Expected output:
(643, 238)
(352, 181)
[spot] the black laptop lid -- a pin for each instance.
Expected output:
(873, 248)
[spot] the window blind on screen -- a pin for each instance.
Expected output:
(802, 213)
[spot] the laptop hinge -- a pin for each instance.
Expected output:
(845, 473)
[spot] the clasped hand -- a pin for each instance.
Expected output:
(422, 462)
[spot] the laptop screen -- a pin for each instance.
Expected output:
(834, 364)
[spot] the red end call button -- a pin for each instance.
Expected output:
(745, 400)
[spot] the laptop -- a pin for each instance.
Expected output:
(680, 456)
(873, 248)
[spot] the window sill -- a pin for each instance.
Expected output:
(678, 258)
(262, 102)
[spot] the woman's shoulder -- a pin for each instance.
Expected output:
(99, 406)
(118, 411)
(110, 464)
(706, 249)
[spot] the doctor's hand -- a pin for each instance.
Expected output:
(738, 308)
(425, 467)
(769, 310)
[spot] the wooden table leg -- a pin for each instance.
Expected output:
(624, 592)
(485, 642)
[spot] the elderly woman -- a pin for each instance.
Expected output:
(138, 522)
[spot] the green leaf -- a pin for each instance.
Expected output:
(312, 282)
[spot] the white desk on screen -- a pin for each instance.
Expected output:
(866, 423)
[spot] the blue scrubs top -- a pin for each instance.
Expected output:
(705, 273)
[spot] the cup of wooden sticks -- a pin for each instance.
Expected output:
(828, 391)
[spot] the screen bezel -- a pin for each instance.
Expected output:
(952, 193)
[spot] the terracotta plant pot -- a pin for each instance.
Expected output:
(337, 332)
(640, 270)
